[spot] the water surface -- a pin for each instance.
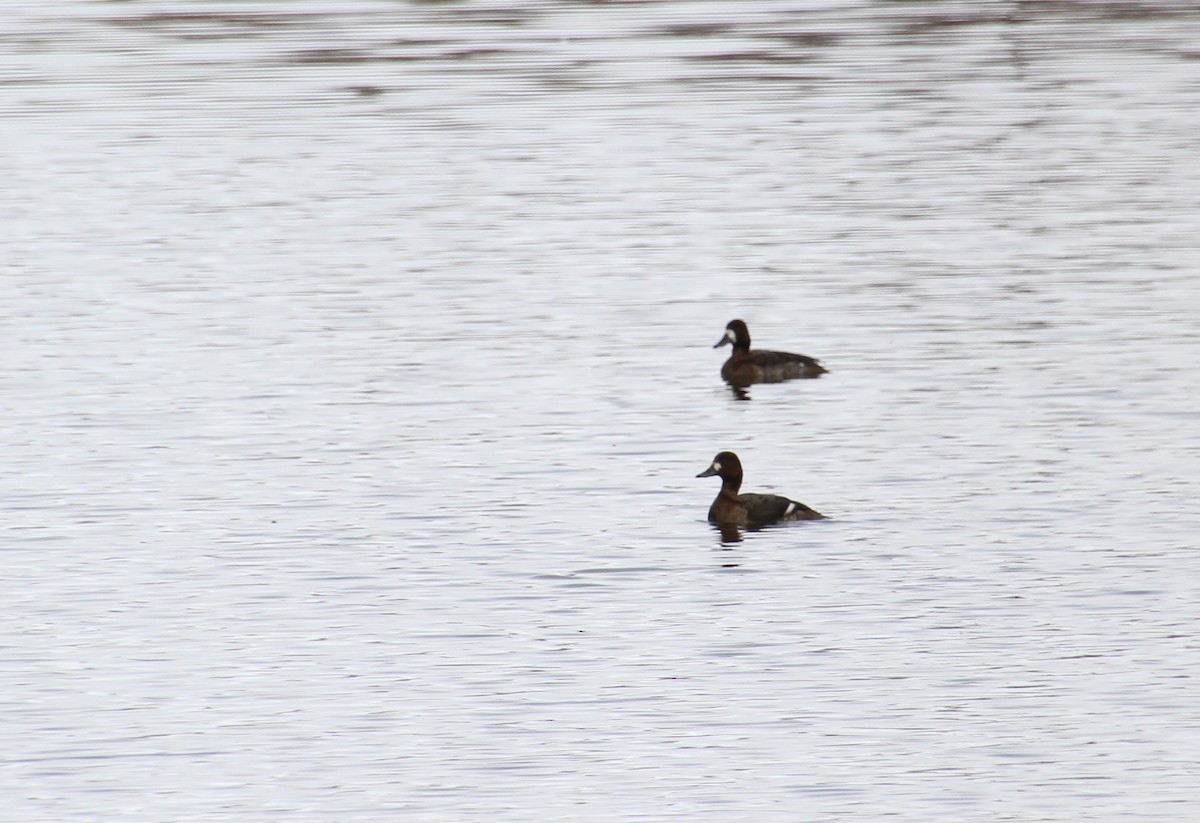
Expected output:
(358, 367)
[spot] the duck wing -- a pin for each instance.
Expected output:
(765, 358)
(771, 508)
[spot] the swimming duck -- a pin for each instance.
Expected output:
(746, 365)
(749, 509)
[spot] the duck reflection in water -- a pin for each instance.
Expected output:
(750, 511)
(739, 392)
(729, 533)
(747, 366)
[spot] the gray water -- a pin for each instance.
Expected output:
(357, 367)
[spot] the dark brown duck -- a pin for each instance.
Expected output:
(746, 365)
(731, 508)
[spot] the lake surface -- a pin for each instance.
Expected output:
(357, 370)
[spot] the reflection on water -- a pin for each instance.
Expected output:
(729, 533)
(360, 359)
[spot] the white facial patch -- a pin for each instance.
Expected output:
(730, 336)
(716, 467)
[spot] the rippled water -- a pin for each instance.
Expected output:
(358, 367)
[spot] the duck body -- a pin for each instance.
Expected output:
(732, 508)
(746, 365)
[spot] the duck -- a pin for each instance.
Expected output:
(731, 508)
(746, 365)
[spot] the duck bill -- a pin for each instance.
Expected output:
(709, 472)
(722, 342)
